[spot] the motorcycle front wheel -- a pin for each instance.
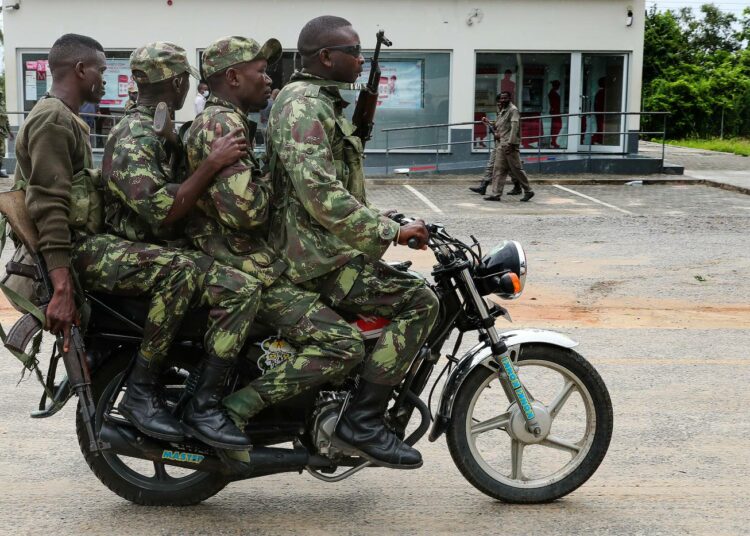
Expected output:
(489, 442)
(140, 481)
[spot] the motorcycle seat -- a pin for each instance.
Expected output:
(106, 307)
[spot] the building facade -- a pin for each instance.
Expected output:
(448, 60)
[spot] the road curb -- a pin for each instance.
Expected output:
(680, 181)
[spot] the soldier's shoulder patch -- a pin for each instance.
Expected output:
(138, 129)
(312, 91)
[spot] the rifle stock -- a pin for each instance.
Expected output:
(367, 101)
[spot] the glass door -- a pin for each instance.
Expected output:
(603, 89)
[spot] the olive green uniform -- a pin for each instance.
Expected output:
(140, 191)
(326, 231)
(231, 226)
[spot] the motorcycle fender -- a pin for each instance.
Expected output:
(481, 356)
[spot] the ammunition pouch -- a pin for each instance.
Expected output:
(87, 202)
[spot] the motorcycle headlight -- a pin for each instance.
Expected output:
(502, 271)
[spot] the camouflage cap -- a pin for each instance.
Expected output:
(228, 51)
(160, 61)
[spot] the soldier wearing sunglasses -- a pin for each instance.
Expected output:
(332, 239)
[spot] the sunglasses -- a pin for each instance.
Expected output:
(351, 50)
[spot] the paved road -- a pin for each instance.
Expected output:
(652, 281)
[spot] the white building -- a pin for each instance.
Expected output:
(448, 60)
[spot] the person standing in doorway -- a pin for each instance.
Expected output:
(507, 150)
(600, 100)
(507, 84)
(554, 109)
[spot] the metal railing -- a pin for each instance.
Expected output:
(537, 137)
(112, 118)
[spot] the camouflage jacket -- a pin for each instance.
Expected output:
(140, 186)
(232, 222)
(321, 219)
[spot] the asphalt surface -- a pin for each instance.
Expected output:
(651, 280)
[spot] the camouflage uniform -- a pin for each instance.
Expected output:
(231, 228)
(140, 190)
(108, 263)
(328, 233)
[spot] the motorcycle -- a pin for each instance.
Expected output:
(497, 405)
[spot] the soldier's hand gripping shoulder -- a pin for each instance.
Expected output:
(225, 151)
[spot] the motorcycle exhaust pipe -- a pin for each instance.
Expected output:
(127, 441)
(264, 461)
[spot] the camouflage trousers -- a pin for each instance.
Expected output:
(328, 347)
(175, 280)
(378, 289)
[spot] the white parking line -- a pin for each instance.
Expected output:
(592, 199)
(422, 198)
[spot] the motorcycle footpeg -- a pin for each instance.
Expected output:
(350, 450)
(195, 434)
(150, 433)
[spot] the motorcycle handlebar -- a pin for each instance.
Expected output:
(413, 242)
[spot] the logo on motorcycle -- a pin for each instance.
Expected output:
(517, 387)
(275, 352)
(179, 456)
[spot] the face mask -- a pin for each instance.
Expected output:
(204, 93)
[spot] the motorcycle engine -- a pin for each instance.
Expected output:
(325, 416)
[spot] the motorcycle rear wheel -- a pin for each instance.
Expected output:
(140, 481)
(490, 446)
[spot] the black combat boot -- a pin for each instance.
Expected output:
(516, 191)
(144, 406)
(363, 429)
(481, 189)
(205, 417)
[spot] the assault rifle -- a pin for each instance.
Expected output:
(13, 207)
(364, 112)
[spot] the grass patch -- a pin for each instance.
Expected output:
(740, 146)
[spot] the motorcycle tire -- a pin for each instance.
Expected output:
(161, 489)
(514, 486)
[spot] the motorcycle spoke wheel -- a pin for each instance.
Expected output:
(138, 480)
(492, 447)
(151, 475)
(542, 468)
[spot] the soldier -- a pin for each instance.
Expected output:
(507, 151)
(132, 96)
(55, 168)
(145, 200)
(5, 134)
(333, 239)
(233, 224)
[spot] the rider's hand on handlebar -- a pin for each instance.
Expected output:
(226, 150)
(417, 230)
(61, 311)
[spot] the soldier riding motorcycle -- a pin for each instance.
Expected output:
(538, 437)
